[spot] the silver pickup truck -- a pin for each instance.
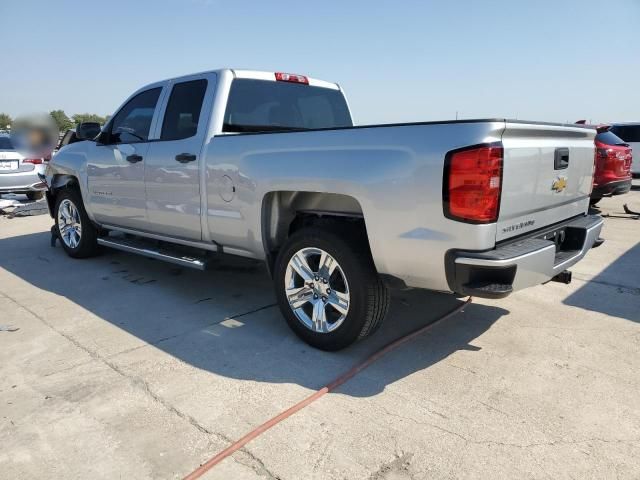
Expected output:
(269, 166)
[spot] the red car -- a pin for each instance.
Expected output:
(612, 175)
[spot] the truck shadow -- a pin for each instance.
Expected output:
(614, 291)
(225, 320)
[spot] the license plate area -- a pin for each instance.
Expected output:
(8, 165)
(568, 241)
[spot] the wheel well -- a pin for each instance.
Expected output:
(60, 182)
(63, 181)
(284, 212)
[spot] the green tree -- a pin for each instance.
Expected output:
(63, 122)
(88, 117)
(5, 121)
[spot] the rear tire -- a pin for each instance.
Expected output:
(77, 234)
(35, 195)
(594, 201)
(354, 283)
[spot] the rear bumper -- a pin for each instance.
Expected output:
(611, 188)
(21, 182)
(524, 263)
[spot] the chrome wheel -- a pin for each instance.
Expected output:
(69, 223)
(317, 290)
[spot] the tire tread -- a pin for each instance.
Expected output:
(353, 240)
(89, 240)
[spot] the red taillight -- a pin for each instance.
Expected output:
(612, 162)
(291, 77)
(35, 161)
(472, 184)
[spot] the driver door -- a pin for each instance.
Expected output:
(115, 169)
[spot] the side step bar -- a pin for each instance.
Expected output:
(133, 246)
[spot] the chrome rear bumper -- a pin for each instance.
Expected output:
(525, 262)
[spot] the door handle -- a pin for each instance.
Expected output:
(561, 158)
(134, 158)
(185, 157)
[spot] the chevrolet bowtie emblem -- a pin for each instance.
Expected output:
(559, 184)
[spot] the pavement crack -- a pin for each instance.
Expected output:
(400, 463)
(491, 407)
(628, 288)
(256, 464)
(473, 441)
(473, 372)
(186, 332)
(238, 315)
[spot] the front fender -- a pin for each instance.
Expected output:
(68, 167)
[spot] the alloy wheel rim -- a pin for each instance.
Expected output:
(69, 223)
(317, 290)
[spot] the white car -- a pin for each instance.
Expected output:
(19, 174)
(630, 133)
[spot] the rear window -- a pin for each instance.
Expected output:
(258, 105)
(183, 110)
(609, 138)
(5, 143)
(629, 133)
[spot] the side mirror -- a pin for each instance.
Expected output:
(87, 130)
(103, 138)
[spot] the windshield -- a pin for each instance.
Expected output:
(259, 105)
(5, 143)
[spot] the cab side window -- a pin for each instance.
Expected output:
(133, 122)
(183, 110)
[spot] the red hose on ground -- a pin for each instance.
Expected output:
(205, 467)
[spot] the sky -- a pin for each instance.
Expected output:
(401, 61)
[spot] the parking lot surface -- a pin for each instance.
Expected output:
(123, 367)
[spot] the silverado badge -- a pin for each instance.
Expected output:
(559, 184)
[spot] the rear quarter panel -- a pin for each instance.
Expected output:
(393, 172)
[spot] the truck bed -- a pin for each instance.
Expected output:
(394, 174)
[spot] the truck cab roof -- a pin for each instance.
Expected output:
(249, 74)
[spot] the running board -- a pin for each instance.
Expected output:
(139, 247)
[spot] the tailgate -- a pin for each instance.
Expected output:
(547, 176)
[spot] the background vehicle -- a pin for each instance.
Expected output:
(630, 133)
(612, 174)
(268, 166)
(19, 174)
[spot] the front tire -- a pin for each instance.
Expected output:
(327, 287)
(77, 234)
(594, 201)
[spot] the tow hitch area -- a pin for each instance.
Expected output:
(563, 277)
